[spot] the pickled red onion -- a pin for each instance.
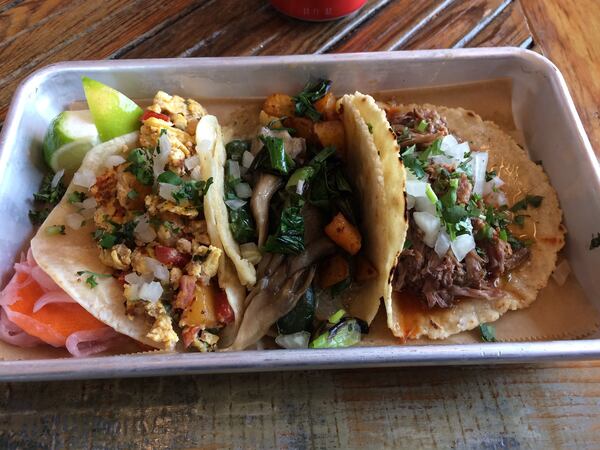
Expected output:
(12, 334)
(43, 279)
(89, 342)
(52, 297)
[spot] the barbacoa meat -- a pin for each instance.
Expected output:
(406, 124)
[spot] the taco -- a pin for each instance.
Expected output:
(297, 203)
(137, 252)
(484, 224)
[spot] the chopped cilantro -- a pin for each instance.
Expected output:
(489, 175)
(76, 197)
(140, 160)
(169, 177)
(434, 149)
(502, 234)
(404, 136)
(422, 126)
(132, 194)
(407, 244)
(236, 148)
(46, 198)
(303, 102)
(412, 162)
(171, 227)
(370, 127)
(530, 200)
(488, 332)
(55, 230)
(120, 234)
(595, 242)
(91, 279)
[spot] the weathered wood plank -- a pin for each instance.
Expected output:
(508, 28)
(453, 407)
(25, 16)
(91, 33)
(455, 23)
(568, 33)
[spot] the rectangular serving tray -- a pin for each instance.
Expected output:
(542, 109)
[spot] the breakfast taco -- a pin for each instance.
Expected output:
(484, 224)
(134, 247)
(298, 203)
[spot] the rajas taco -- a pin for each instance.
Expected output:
(483, 223)
(137, 252)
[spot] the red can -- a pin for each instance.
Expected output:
(318, 10)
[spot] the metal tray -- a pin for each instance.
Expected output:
(542, 108)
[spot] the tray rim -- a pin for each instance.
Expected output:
(271, 360)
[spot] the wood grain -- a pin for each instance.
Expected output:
(476, 407)
(569, 34)
(509, 26)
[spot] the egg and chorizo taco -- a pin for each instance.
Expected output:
(484, 224)
(137, 251)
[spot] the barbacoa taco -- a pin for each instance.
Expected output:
(137, 252)
(484, 224)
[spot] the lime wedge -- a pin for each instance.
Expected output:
(69, 137)
(114, 114)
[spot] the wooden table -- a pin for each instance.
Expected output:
(542, 406)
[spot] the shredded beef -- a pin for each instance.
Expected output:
(400, 121)
(441, 281)
(463, 193)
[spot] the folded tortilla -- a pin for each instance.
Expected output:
(378, 175)
(406, 318)
(62, 256)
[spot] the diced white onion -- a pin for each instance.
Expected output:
(158, 269)
(196, 174)
(84, 178)
(442, 244)
(133, 278)
(291, 341)
(56, 178)
(492, 185)
(235, 204)
(114, 160)
(462, 245)
(191, 162)
(443, 159)
(479, 164)
(448, 142)
(423, 204)
(416, 188)
(160, 160)
(88, 213)
(89, 203)
(457, 152)
(247, 159)
(151, 292)
(250, 252)
(429, 225)
(562, 272)
(74, 220)
(165, 190)
(233, 169)
(143, 231)
(410, 201)
(243, 190)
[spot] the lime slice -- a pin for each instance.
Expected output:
(114, 114)
(69, 137)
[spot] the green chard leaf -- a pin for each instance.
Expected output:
(279, 160)
(289, 237)
(303, 102)
(236, 148)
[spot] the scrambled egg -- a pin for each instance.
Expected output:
(118, 257)
(162, 328)
(205, 261)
